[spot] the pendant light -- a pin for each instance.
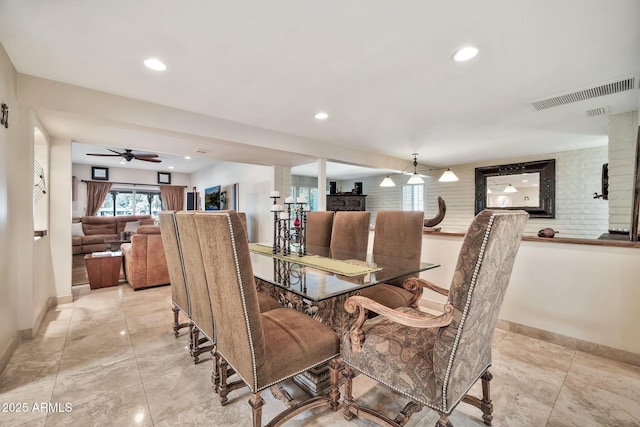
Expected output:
(415, 178)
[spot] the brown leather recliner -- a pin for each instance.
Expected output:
(144, 260)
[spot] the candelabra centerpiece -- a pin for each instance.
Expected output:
(289, 224)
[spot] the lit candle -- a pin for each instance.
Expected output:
(275, 194)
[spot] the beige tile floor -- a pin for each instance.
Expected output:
(112, 357)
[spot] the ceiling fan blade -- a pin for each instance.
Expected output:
(149, 160)
(104, 155)
(114, 151)
(145, 155)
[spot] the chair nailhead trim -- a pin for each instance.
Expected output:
(472, 285)
(244, 305)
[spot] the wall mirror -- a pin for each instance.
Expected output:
(530, 186)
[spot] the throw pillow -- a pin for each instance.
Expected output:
(76, 229)
(131, 226)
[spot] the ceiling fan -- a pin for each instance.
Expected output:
(128, 155)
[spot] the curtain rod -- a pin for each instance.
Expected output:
(135, 183)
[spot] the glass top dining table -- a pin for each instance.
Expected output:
(316, 284)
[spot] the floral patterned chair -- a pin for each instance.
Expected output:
(434, 361)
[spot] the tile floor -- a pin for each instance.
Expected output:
(112, 357)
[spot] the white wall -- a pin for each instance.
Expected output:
(126, 174)
(60, 218)
(8, 167)
(255, 184)
(586, 292)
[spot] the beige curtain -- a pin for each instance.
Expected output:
(172, 197)
(96, 194)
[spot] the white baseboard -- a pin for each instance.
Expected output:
(572, 343)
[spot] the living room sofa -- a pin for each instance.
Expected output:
(90, 236)
(145, 264)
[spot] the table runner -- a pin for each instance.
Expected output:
(347, 268)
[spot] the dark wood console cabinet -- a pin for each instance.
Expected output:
(346, 202)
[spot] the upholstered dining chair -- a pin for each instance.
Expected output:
(318, 232)
(397, 234)
(350, 231)
(201, 309)
(434, 361)
(179, 291)
(262, 348)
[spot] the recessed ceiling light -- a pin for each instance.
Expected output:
(155, 64)
(187, 157)
(465, 54)
(321, 115)
(170, 167)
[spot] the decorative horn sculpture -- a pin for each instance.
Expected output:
(442, 210)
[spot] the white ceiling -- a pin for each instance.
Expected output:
(382, 70)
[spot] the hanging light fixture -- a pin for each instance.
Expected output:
(448, 176)
(415, 178)
(510, 189)
(387, 182)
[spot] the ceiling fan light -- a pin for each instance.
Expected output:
(448, 176)
(415, 179)
(387, 182)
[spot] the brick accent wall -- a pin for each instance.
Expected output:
(578, 177)
(622, 139)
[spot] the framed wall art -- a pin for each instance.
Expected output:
(99, 173)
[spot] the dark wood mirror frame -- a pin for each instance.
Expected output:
(547, 170)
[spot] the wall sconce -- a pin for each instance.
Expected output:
(4, 115)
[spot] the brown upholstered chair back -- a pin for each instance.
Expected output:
(350, 231)
(462, 350)
(399, 234)
(233, 293)
(189, 240)
(319, 226)
(173, 254)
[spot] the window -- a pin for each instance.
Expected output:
(131, 202)
(309, 193)
(413, 197)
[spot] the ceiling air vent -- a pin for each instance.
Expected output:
(596, 112)
(603, 89)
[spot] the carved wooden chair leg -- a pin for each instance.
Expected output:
(215, 375)
(224, 387)
(406, 413)
(176, 324)
(256, 402)
(335, 369)
(348, 396)
(483, 404)
(191, 326)
(444, 421)
(195, 337)
(486, 406)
